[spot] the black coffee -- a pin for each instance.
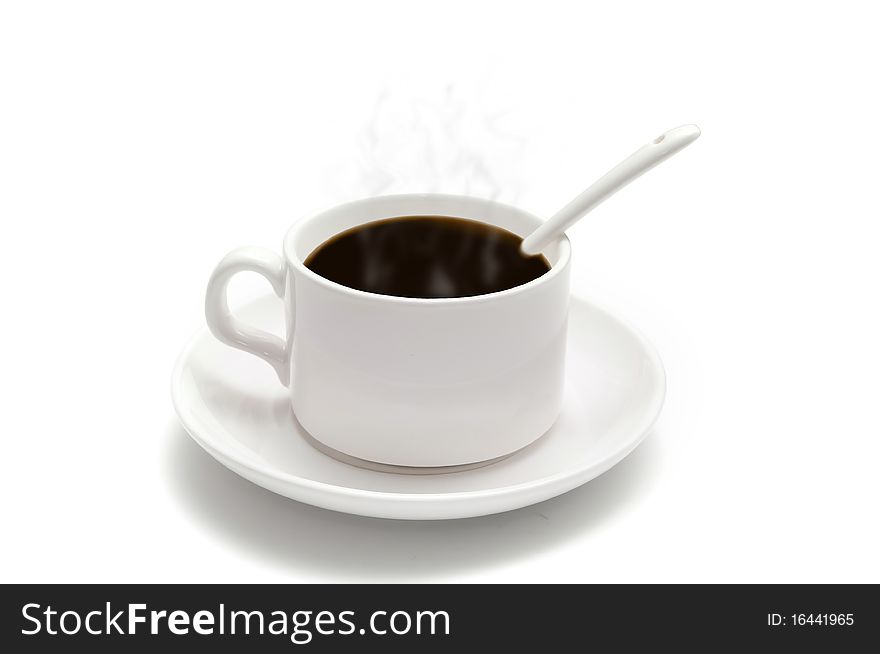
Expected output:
(427, 257)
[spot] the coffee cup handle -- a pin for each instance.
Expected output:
(230, 330)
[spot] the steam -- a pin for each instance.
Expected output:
(446, 141)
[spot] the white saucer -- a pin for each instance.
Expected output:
(233, 406)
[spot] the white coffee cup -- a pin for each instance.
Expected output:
(408, 381)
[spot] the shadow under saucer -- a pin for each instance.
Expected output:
(355, 548)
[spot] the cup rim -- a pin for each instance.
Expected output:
(292, 260)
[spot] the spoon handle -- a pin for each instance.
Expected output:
(639, 162)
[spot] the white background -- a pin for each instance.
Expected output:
(141, 141)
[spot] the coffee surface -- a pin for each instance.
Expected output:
(426, 257)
